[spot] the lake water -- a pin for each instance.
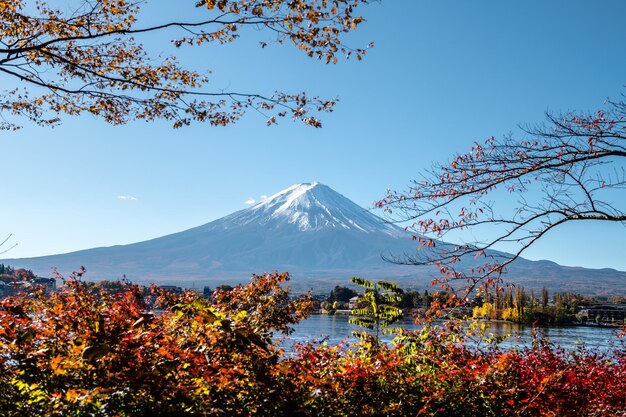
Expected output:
(334, 329)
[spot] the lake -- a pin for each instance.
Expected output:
(334, 329)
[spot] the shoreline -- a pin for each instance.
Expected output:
(345, 313)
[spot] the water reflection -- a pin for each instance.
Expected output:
(334, 329)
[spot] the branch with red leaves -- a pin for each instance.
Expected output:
(568, 169)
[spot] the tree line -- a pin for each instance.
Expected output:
(519, 305)
(8, 273)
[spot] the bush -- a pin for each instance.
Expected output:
(84, 351)
(87, 352)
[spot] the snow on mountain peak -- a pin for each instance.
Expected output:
(313, 206)
(296, 194)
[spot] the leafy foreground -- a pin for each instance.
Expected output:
(88, 352)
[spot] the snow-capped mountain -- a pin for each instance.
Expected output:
(309, 207)
(307, 229)
(318, 235)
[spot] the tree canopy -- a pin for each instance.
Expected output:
(90, 57)
(343, 294)
(568, 169)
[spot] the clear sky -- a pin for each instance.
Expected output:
(442, 74)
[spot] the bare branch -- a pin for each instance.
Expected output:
(562, 172)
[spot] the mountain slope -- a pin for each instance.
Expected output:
(305, 226)
(310, 230)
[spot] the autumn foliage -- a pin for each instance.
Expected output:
(97, 58)
(507, 193)
(84, 351)
(429, 374)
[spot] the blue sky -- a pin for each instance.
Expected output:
(442, 74)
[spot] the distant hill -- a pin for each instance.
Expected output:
(318, 235)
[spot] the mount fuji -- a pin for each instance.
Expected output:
(321, 237)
